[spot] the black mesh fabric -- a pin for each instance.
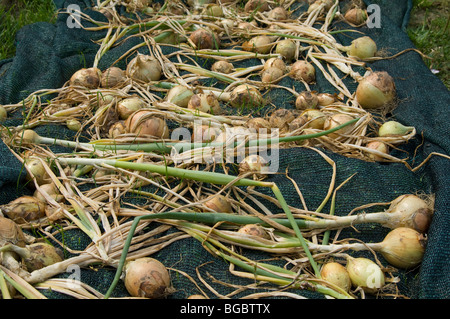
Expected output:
(48, 54)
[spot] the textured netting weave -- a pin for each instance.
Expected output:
(48, 54)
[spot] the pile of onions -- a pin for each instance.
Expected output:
(219, 203)
(146, 123)
(365, 273)
(204, 39)
(260, 44)
(246, 95)
(179, 95)
(89, 78)
(112, 77)
(128, 106)
(336, 274)
(303, 70)
(254, 230)
(287, 49)
(306, 100)
(144, 68)
(147, 278)
(204, 102)
(376, 90)
(363, 48)
(394, 128)
(222, 67)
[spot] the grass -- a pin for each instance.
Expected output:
(428, 28)
(16, 14)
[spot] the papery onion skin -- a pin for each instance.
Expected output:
(271, 75)
(280, 118)
(259, 5)
(112, 77)
(356, 16)
(42, 255)
(259, 44)
(303, 70)
(376, 90)
(366, 274)
(205, 133)
(314, 118)
(287, 49)
(204, 39)
(3, 114)
(306, 100)
(128, 106)
(336, 274)
(222, 67)
(87, 77)
(276, 63)
(336, 120)
(378, 146)
(254, 230)
(403, 247)
(219, 203)
(147, 277)
(394, 128)
(144, 68)
(278, 13)
(255, 164)
(145, 123)
(11, 233)
(179, 95)
(246, 95)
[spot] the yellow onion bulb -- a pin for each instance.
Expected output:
(259, 123)
(24, 209)
(204, 102)
(259, 5)
(287, 49)
(275, 63)
(281, 118)
(214, 10)
(112, 77)
(11, 233)
(410, 211)
(73, 125)
(255, 164)
(36, 169)
(147, 277)
(219, 203)
(42, 255)
(306, 100)
(314, 118)
(325, 99)
(3, 113)
(403, 247)
(336, 274)
(271, 75)
(128, 106)
(356, 16)
(278, 13)
(254, 230)
(363, 48)
(365, 273)
(246, 95)
(376, 90)
(51, 190)
(260, 44)
(144, 68)
(379, 147)
(336, 120)
(247, 26)
(394, 128)
(204, 39)
(222, 67)
(145, 123)
(117, 129)
(87, 77)
(303, 70)
(179, 95)
(205, 133)
(297, 123)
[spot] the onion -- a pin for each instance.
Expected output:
(259, 5)
(205, 133)
(128, 106)
(303, 70)
(297, 123)
(410, 211)
(254, 230)
(376, 90)
(325, 99)
(365, 273)
(336, 274)
(117, 129)
(222, 67)
(51, 190)
(235, 132)
(259, 44)
(403, 247)
(314, 118)
(287, 49)
(378, 146)
(306, 100)
(147, 277)
(40, 255)
(253, 163)
(214, 10)
(246, 95)
(258, 123)
(275, 63)
(394, 128)
(146, 123)
(37, 170)
(363, 48)
(356, 16)
(247, 26)
(3, 114)
(138, 5)
(219, 203)
(11, 233)
(73, 125)
(278, 13)
(89, 78)
(144, 68)
(271, 75)
(112, 77)
(179, 95)
(336, 120)
(24, 209)
(204, 39)
(281, 118)
(204, 102)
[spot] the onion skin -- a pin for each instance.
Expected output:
(220, 204)
(271, 75)
(205, 133)
(356, 16)
(144, 68)
(365, 273)
(363, 48)
(276, 63)
(11, 233)
(203, 39)
(128, 106)
(376, 90)
(278, 13)
(287, 49)
(3, 114)
(336, 120)
(113, 77)
(281, 118)
(145, 123)
(394, 128)
(253, 163)
(254, 230)
(42, 255)
(306, 100)
(147, 277)
(303, 70)
(379, 146)
(222, 67)
(403, 247)
(259, 5)
(246, 95)
(259, 44)
(179, 95)
(87, 77)
(336, 274)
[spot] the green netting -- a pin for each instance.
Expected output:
(48, 54)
